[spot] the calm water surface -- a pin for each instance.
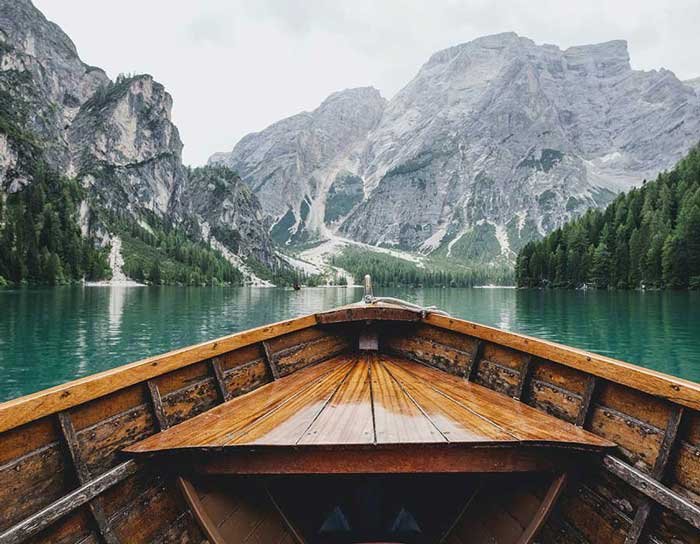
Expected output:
(49, 336)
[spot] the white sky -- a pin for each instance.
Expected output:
(235, 66)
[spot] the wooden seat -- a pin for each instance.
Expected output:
(371, 412)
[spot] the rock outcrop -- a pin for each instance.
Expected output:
(493, 143)
(116, 137)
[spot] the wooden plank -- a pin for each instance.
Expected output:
(232, 417)
(288, 423)
(218, 372)
(586, 401)
(474, 362)
(670, 438)
(397, 418)
(431, 352)
(75, 499)
(449, 533)
(548, 504)
(348, 417)
(31, 407)
(199, 511)
(378, 459)
(157, 404)
(271, 363)
(516, 418)
(525, 371)
(654, 490)
(71, 441)
(674, 389)
(367, 313)
(84, 476)
(642, 515)
(454, 421)
(305, 354)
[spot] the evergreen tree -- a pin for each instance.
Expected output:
(648, 237)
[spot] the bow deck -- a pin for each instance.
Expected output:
(368, 408)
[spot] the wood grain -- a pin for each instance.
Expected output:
(31, 407)
(655, 383)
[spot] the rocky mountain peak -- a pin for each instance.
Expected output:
(115, 137)
(494, 142)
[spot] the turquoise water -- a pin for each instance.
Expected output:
(49, 336)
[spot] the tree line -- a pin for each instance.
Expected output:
(388, 271)
(40, 238)
(646, 238)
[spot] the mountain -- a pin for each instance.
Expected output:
(117, 141)
(694, 83)
(648, 237)
(493, 143)
(293, 165)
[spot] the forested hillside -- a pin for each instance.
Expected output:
(388, 271)
(647, 238)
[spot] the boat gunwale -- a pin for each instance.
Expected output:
(28, 408)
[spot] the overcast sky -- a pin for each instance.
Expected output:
(235, 66)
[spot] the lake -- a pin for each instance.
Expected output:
(49, 336)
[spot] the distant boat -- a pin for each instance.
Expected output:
(296, 286)
(380, 421)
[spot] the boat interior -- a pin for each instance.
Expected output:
(373, 423)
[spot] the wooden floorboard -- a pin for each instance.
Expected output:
(454, 421)
(365, 399)
(289, 422)
(347, 418)
(230, 418)
(397, 418)
(516, 418)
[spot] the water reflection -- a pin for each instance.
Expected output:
(49, 336)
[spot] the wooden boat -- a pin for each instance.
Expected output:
(375, 422)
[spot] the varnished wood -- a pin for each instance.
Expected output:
(455, 422)
(31, 407)
(631, 406)
(67, 504)
(375, 459)
(545, 509)
(200, 512)
(518, 419)
(344, 406)
(348, 418)
(287, 425)
(674, 389)
(398, 419)
(232, 418)
(367, 313)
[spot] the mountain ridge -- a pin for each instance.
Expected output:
(117, 139)
(493, 143)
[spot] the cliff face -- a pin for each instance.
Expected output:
(214, 205)
(116, 137)
(493, 143)
(292, 164)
